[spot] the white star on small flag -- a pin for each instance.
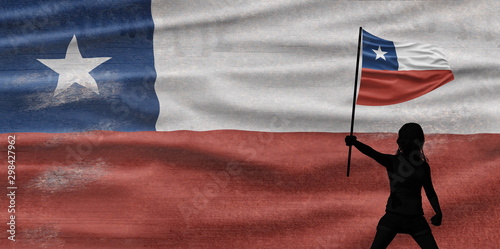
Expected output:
(379, 53)
(74, 68)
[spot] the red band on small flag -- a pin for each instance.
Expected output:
(384, 87)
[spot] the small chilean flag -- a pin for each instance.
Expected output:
(395, 72)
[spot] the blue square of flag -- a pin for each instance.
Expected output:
(378, 53)
(69, 66)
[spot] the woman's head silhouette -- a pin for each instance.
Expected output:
(411, 139)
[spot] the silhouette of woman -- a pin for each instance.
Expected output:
(408, 171)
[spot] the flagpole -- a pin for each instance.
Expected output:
(354, 99)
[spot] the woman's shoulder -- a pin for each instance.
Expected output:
(401, 159)
(425, 167)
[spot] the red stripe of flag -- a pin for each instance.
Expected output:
(384, 87)
(235, 189)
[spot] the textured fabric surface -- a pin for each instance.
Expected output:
(236, 189)
(286, 65)
(280, 66)
(289, 65)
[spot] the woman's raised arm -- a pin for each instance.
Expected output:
(383, 159)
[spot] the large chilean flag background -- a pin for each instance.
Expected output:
(221, 124)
